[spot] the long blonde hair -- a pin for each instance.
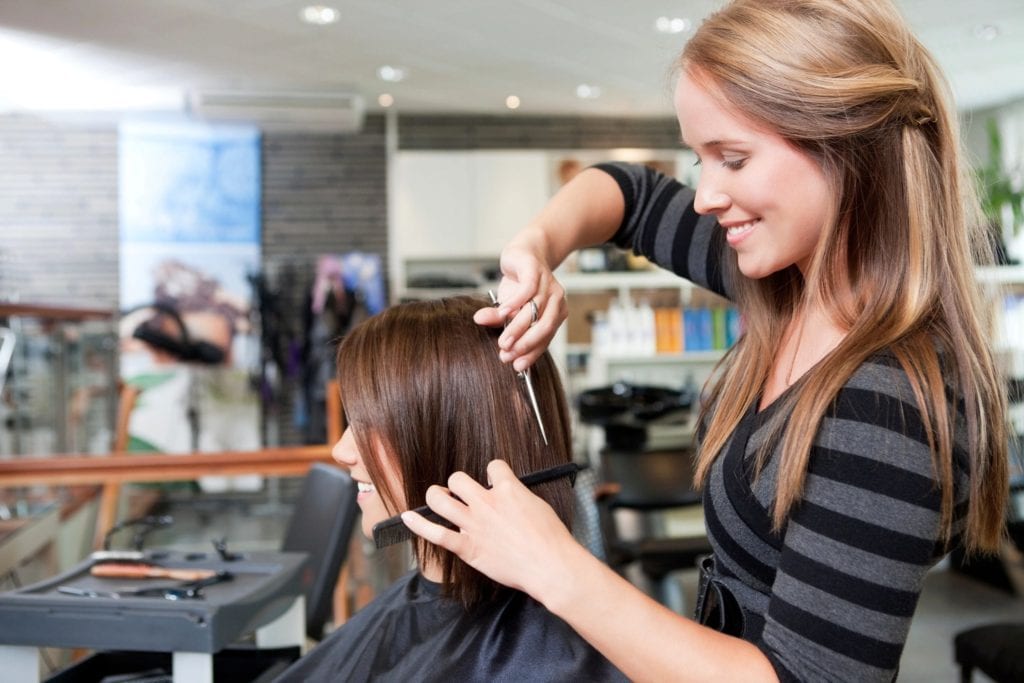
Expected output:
(846, 82)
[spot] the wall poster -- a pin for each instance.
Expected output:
(189, 209)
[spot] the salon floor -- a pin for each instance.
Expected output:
(951, 601)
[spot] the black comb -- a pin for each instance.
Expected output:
(392, 530)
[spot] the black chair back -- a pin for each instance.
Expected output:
(321, 526)
(649, 482)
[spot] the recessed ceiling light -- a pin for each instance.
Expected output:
(385, 100)
(585, 91)
(512, 102)
(671, 24)
(391, 74)
(987, 31)
(320, 15)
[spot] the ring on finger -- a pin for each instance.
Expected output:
(533, 311)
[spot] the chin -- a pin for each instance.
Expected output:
(758, 270)
(367, 526)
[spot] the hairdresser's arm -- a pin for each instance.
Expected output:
(515, 538)
(586, 211)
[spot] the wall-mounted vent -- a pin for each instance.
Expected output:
(282, 111)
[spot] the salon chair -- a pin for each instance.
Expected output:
(321, 526)
(650, 483)
(997, 650)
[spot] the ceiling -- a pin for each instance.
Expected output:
(460, 55)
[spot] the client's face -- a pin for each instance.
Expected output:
(346, 453)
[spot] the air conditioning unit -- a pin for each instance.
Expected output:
(281, 111)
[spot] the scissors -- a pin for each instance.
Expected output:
(525, 375)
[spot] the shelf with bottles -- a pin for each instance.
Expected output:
(645, 325)
(57, 379)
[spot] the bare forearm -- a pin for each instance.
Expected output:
(514, 537)
(586, 211)
(645, 640)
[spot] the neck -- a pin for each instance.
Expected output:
(431, 571)
(815, 335)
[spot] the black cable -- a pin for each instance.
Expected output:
(149, 523)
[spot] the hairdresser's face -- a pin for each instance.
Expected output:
(347, 454)
(771, 198)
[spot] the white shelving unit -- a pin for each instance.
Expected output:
(1001, 275)
(690, 368)
(604, 369)
(624, 282)
(675, 369)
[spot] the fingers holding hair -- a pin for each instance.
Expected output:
(520, 281)
(526, 337)
(531, 305)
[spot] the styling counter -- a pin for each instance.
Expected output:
(252, 593)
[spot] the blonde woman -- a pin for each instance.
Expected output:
(856, 432)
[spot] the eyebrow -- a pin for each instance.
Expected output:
(718, 143)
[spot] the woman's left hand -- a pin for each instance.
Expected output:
(505, 532)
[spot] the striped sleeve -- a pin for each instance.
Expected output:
(661, 224)
(858, 545)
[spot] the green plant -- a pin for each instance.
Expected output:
(996, 185)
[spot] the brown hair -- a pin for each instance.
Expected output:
(846, 82)
(425, 380)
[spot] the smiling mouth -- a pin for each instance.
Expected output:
(364, 487)
(742, 228)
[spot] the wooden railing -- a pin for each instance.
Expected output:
(65, 470)
(109, 471)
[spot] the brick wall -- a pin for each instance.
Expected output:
(321, 194)
(58, 213)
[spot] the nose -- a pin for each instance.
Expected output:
(345, 451)
(709, 197)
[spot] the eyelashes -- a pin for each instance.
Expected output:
(733, 165)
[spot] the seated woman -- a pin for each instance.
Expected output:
(424, 396)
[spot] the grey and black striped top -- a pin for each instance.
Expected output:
(831, 596)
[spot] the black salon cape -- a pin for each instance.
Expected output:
(411, 633)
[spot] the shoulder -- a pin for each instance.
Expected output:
(638, 180)
(880, 393)
(874, 437)
(409, 592)
(527, 633)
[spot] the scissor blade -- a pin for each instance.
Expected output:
(533, 401)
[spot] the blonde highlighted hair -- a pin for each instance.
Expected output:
(846, 82)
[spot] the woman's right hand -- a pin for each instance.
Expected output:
(586, 210)
(526, 275)
(505, 531)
